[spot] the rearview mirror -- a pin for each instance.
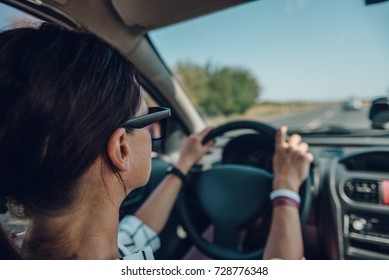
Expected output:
(379, 112)
(368, 2)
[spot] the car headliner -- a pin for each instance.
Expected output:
(145, 15)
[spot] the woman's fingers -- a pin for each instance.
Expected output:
(294, 140)
(309, 157)
(281, 137)
(204, 132)
(294, 146)
(303, 147)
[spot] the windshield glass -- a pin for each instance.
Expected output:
(13, 18)
(308, 64)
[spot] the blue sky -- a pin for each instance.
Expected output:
(5, 14)
(298, 49)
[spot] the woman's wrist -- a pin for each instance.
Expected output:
(285, 201)
(285, 183)
(285, 197)
(284, 211)
(172, 169)
(285, 193)
(184, 166)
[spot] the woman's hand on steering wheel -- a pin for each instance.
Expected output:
(291, 161)
(192, 150)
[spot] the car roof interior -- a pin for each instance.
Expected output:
(139, 15)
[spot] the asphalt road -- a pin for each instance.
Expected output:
(332, 115)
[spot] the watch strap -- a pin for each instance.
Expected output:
(177, 172)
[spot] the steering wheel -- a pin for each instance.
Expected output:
(233, 196)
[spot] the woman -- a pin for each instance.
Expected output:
(74, 142)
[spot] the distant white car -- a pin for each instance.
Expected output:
(352, 104)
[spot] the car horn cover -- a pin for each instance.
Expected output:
(245, 192)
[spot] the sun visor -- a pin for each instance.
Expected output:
(145, 15)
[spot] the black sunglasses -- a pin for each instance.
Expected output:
(155, 120)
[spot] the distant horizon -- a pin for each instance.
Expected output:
(339, 100)
(307, 101)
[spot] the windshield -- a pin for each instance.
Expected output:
(308, 64)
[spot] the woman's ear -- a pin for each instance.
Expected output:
(118, 149)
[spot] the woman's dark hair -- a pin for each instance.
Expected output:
(62, 94)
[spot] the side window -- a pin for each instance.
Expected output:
(157, 146)
(149, 100)
(13, 18)
(175, 134)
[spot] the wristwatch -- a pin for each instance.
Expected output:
(171, 169)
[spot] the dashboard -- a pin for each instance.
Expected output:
(359, 191)
(349, 216)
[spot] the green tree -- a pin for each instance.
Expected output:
(194, 80)
(218, 90)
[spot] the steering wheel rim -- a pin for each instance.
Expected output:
(227, 212)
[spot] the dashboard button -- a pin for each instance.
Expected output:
(359, 224)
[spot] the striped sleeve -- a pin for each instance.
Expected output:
(134, 235)
(144, 254)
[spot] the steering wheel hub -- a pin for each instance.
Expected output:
(234, 194)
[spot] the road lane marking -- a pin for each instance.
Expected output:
(329, 114)
(314, 124)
